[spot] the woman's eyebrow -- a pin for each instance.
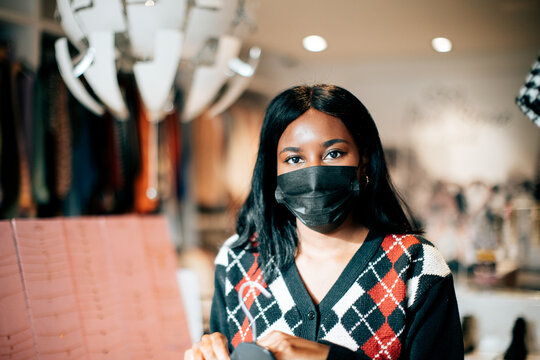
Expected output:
(334, 141)
(290, 148)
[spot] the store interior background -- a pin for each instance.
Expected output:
(461, 152)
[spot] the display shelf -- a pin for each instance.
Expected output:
(23, 23)
(15, 17)
(494, 312)
(22, 7)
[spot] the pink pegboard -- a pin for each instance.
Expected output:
(96, 297)
(133, 284)
(16, 337)
(50, 294)
(90, 288)
(163, 265)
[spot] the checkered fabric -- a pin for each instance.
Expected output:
(528, 99)
(371, 316)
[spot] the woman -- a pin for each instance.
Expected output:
(324, 231)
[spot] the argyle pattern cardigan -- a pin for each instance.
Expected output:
(395, 299)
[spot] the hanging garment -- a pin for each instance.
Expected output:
(146, 197)
(85, 171)
(172, 128)
(165, 165)
(169, 156)
(184, 170)
(40, 124)
(103, 199)
(528, 99)
(26, 80)
(115, 163)
(9, 157)
(23, 79)
(128, 139)
(61, 130)
(209, 161)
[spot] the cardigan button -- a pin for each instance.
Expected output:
(311, 315)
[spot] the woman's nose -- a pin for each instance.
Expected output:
(314, 161)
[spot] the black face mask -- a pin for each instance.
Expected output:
(320, 196)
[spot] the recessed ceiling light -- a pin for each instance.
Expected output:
(441, 44)
(149, 3)
(314, 43)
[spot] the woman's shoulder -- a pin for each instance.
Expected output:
(418, 260)
(417, 252)
(411, 245)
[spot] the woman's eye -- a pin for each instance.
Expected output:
(334, 154)
(293, 160)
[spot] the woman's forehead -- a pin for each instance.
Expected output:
(315, 125)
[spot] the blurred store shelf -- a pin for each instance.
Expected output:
(494, 312)
(493, 356)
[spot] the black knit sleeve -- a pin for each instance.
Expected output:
(218, 312)
(338, 352)
(433, 325)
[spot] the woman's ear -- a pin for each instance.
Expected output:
(362, 175)
(363, 167)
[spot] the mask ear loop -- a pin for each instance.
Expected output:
(265, 292)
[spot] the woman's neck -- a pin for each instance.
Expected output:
(343, 241)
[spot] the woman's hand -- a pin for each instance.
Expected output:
(285, 347)
(211, 347)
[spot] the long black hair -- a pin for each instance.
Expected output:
(380, 207)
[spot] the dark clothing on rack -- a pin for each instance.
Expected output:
(9, 147)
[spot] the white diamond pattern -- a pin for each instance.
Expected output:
(356, 301)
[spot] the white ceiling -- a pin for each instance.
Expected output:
(394, 29)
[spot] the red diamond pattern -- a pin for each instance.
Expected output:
(393, 248)
(388, 292)
(382, 344)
